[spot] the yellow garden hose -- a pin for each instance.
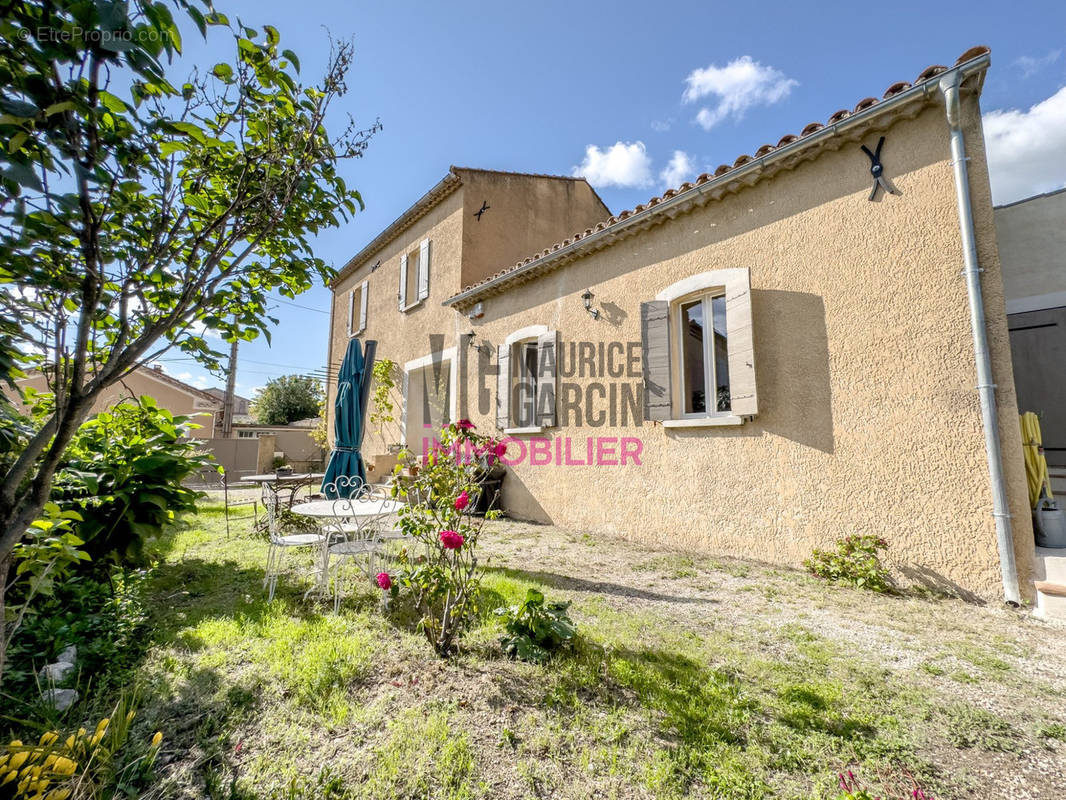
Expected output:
(1035, 464)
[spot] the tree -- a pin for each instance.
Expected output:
(287, 399)
(137, 213)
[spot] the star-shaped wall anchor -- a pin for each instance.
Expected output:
(484, 207)
(878, 171)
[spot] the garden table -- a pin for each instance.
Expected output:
(337, 515)
(273, 482)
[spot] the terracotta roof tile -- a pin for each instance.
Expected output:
(930, 72)
(896, 88)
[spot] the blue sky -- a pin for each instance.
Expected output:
(615, 89)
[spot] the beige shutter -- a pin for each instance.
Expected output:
(547, 369)
(362, 305)
(403, 282)
(655, 346)
(743, 400)
(503, 387)
(423, 270)
(351, 308)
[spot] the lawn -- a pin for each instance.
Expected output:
(694, 677)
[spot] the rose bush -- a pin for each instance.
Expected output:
(439, 565)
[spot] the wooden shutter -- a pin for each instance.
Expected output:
(403, 282)
(362, 305)
(351, 308)
(423, 270)
(404, 386)
(743, 399)
(655, 346)
(547, 369)
(503, 387)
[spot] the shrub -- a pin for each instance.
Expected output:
(105, 617)
(443, 577)
(535, 629)
(855, 563)
(123, 475)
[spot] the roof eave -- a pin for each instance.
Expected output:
(747, 172)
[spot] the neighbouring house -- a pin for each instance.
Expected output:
(177, 397)
(242, 406)
(1032, 249)
(292, 443)
(757, 363)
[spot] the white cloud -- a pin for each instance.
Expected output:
(624, 164)
(1030, 66)
(739, 85)
(662, 125)
(679, 170)
(1025, 149)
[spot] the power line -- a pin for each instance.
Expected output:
(298, 305)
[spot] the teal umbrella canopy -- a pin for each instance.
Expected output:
(346, 462)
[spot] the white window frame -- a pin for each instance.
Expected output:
(357, 313)
(704, 287)
(415, 261)
(516, 343)
(449, 355)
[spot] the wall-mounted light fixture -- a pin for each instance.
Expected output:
(586, 298)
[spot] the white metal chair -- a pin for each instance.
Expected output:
(362, 540)
(281, 543)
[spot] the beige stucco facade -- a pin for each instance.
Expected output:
(868, 418)
(173, 395)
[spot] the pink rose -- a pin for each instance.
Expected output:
(500, 450)
(452, 540)
(462, 501)
(465, 425)
(384, 581)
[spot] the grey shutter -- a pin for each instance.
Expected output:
(547, 368)
(351, 306)
(403, 282)
(404, 385)
(423, 270)
(655, 346)
(743, 399)
(503, 387)
(363, 305)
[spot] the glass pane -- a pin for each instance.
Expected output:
(721, 354)
(525, 413)
(694, 377)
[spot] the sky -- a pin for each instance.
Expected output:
(637, 97)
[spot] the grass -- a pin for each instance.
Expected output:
(663, 697)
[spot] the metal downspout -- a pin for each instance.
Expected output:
(949, 85)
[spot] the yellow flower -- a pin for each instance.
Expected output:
(18, 759)
(49, 738)
(58, 794)
(157, 739)
(64, 766)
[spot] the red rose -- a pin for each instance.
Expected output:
(384, 581)
(452, 540)
(462, 501)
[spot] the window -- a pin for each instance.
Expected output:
(704, 355)
(525, 390)
(247, 434)
(699, 366)
(414, 276)
(357, 305)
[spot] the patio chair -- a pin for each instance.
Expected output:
(346, 486)
(363, 541)
(281, 543)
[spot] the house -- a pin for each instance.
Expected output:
(1032, 248)
(177, 397)
(292, 443)
(242, 406)
(808, 343)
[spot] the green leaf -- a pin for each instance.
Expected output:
(112, 103)
(57, 108)
(292, 57)
(17, 141)
(223, 71)
(190, 130)
(273, 37)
